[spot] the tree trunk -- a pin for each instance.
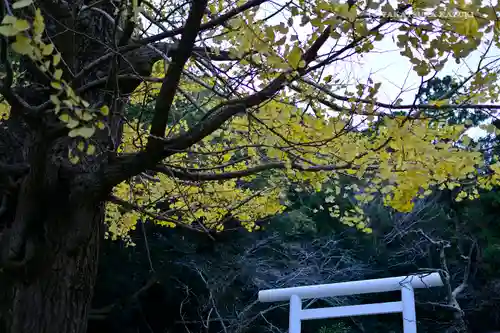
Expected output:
(52, 224)
(56, 298)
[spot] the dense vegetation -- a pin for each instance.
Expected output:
(181, 281)
(197, 275)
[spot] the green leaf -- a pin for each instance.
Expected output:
(48, 49)
(58, 74)
(9, 19)
(8, 30)
(55, 100)
(85, 132)
(56, 85)
(22, 45)
(56, 59)
(294, 57)
(86, 116)
(21, 25)
(22, 4)
(104, 110)
(490, 128)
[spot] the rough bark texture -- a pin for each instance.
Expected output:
(52, 226)
(57, 298)
(51, 220)
(50, 241)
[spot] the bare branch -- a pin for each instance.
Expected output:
(402, 106)
(465, 280)
(207, 176)
(102, 312)
(131, 206)
(172, 33)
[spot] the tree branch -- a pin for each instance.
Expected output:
(223, 112)
(172, 33)
(127, 166)
(104, 311)
(207, 176)
(395, 106)
(131, 206)
(168, 89)
(467, 271)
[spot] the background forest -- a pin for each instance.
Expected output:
(178, 280)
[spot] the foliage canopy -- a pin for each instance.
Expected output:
(253, 87)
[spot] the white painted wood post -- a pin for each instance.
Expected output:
(351, 288)
(295, 317)
(406, 284)
(409, 315)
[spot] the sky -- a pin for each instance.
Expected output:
(398, 78)
(385, 64)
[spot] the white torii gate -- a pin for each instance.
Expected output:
(404, 283)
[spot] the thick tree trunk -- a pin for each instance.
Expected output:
(51, 229)
(52, 293)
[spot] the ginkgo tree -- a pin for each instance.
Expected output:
(258, 91)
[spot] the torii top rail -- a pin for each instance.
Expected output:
(404, 283)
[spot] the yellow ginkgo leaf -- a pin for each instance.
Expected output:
(38, 24)
(85, 132)
(21, 25)
(439, 102)
(22, 45)
(56, 59)
(56, 85)
(48, 49)
(81, 146)
(91, 149)
(4, 110)
(21, 4)
(105, 110)
(64, 117)
(73, 158)
(58, 74)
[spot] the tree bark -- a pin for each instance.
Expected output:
(53, 221)
(52, 293)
